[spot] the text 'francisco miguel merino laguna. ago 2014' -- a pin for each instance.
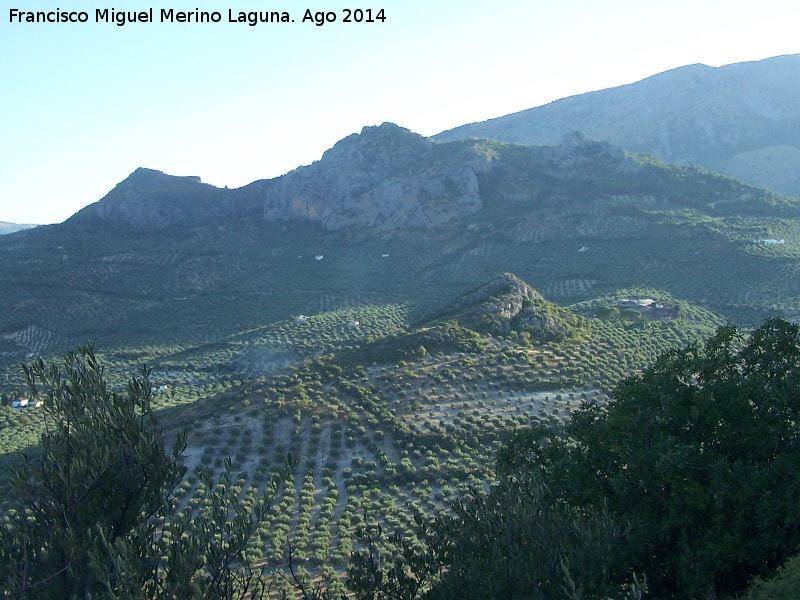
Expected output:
(170, 15)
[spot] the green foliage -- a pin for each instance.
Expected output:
(784, 585)
(700, 454)
(395, 567)
(516, 541)
(102, 470)
(698, 459)
(91, 512)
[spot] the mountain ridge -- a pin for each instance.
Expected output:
(735, 119)
(171, 258)
(385, 179)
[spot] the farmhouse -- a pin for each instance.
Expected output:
(649, 308)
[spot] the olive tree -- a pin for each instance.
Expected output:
(92, 506)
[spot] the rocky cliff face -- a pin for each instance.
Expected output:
(383, 179)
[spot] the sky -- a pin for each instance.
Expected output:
(82, 105)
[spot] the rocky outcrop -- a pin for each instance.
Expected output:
(153, 200)
(383, 179)
(505, 304)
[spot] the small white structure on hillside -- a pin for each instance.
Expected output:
(770, 242)
(319, 257)
(21, 403)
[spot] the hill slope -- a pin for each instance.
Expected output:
(380, 425)
(169, 260)
(742, 120)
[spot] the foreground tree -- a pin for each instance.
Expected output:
(701, 454)
(519, 540)
(91, 512)
(394, 567)
(689, 481)
(522, 541)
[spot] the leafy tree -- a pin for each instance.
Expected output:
(701, 454)
(519, 540)
(92, 510)
(783, 586)
(522, 541)
(393, 567)
(698, 457)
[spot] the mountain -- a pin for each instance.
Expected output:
(742, 120)
(385, 178)
(392, 222)
(150, 199)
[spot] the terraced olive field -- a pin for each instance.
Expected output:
(372, 436)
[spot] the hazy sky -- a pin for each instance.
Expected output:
(84, 104)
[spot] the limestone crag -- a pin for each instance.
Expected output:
(383, 179)
(507, 286)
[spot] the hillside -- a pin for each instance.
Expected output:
(742, 120)
(171, 261)
(381, 424)
(507, 304)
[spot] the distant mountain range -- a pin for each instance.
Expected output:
(6, 227)
(742, 120)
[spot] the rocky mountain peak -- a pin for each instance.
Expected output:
(152, 199)
(383, 179)
(506, 303)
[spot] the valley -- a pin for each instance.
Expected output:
(392, 338)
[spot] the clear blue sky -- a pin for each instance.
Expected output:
(83, 105)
